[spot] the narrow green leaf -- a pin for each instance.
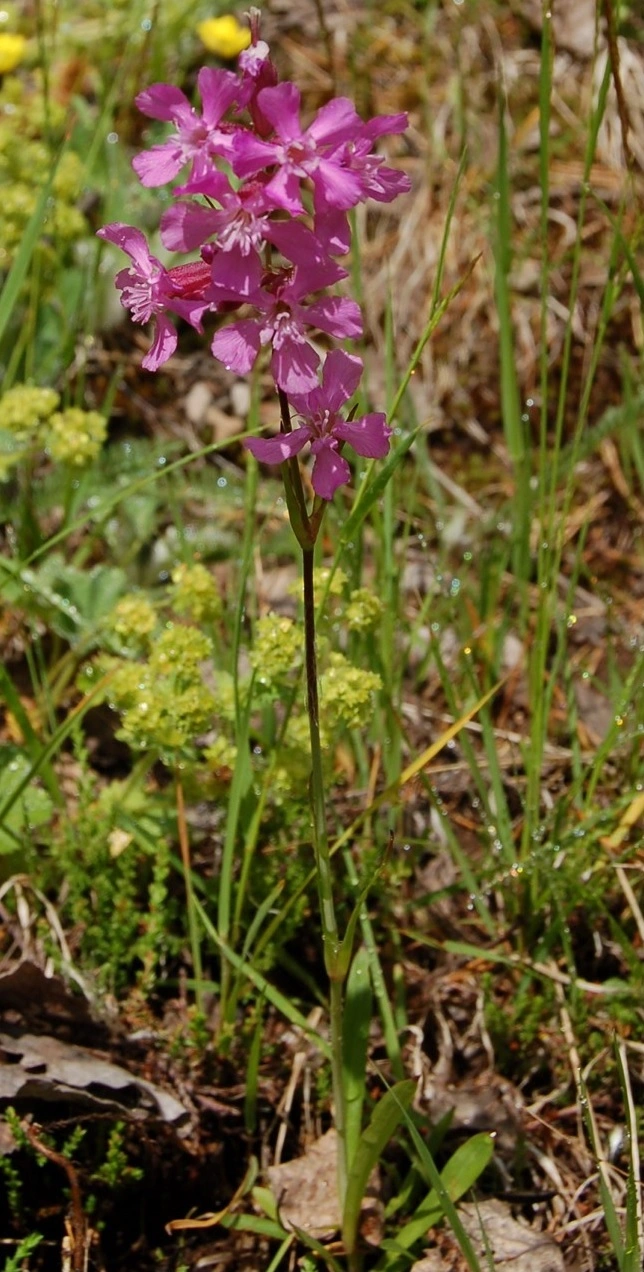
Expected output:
(433, 1176)
(346, 948)
(633, 1235)
(613, 1226)
(31, 742)
(376, 488)
(374, 1139)
(53, 746)
(265, 1199)
(252, 1073)
(460, 1173)
(279, 1000)
(358, 1006)
(318, 1248)
(16, 276)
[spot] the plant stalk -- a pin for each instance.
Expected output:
(193, 927)
(306, 529)
(330, 934)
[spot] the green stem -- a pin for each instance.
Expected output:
(330, 935)
(193, 927)
(306, 529)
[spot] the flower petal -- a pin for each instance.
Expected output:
(381, 125)
(335, 186)
(250, 155)
(315, 275)
(295, 366)
(333, 230)
(235, 272)
(274, 450)
(337, 316)
(213, 183)
(298, 244)
(330, 470)
(340, 378)
(335, 122)
(237, 345)
(281, 106)
(163, 345)
(369, 435)
(218, 90)
(385, 184)
(165, 101)
(185, 226)
(158, 165)
(283, 190)
(131, 241)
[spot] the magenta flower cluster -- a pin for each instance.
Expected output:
(264, 204)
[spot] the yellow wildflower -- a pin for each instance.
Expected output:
(12, 51)
(224, 36)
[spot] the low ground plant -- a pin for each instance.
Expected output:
(322, 652)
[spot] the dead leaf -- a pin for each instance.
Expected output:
(514, 1247)
(26, 988)
(306, 1189)
(508, 1246)
(39, 1067)
(307, 1196)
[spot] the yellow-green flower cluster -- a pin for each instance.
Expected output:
(195, 593)
(24, 408)
(224, 696)
(290, 779)
(24, 411)
(164, 702)
(180, 651)
(277, 649)
(75, 436)
(346, 693)
(364, 610)
(26, 161)
(71, 436)
(133, 619)
(326, 580)
(220, 754)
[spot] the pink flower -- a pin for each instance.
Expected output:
(284, 318)
(198, 138)
(377, 181)
(239, 222)
(242, 225)
(148, 289)
(324, 428)
(299, 154)
(257, 72)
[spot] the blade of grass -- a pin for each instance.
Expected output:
(457, 1177)
(385, 1118)
(358, 1006)
(514, 426)
(274, 996)
(18, 272)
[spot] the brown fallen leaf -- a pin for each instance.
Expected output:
(513, 1246)
(307, 1197)
(306, 1190)
(25, 987)
(39, 1067)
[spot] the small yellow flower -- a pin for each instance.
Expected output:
(224, 36)
(12, 51)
